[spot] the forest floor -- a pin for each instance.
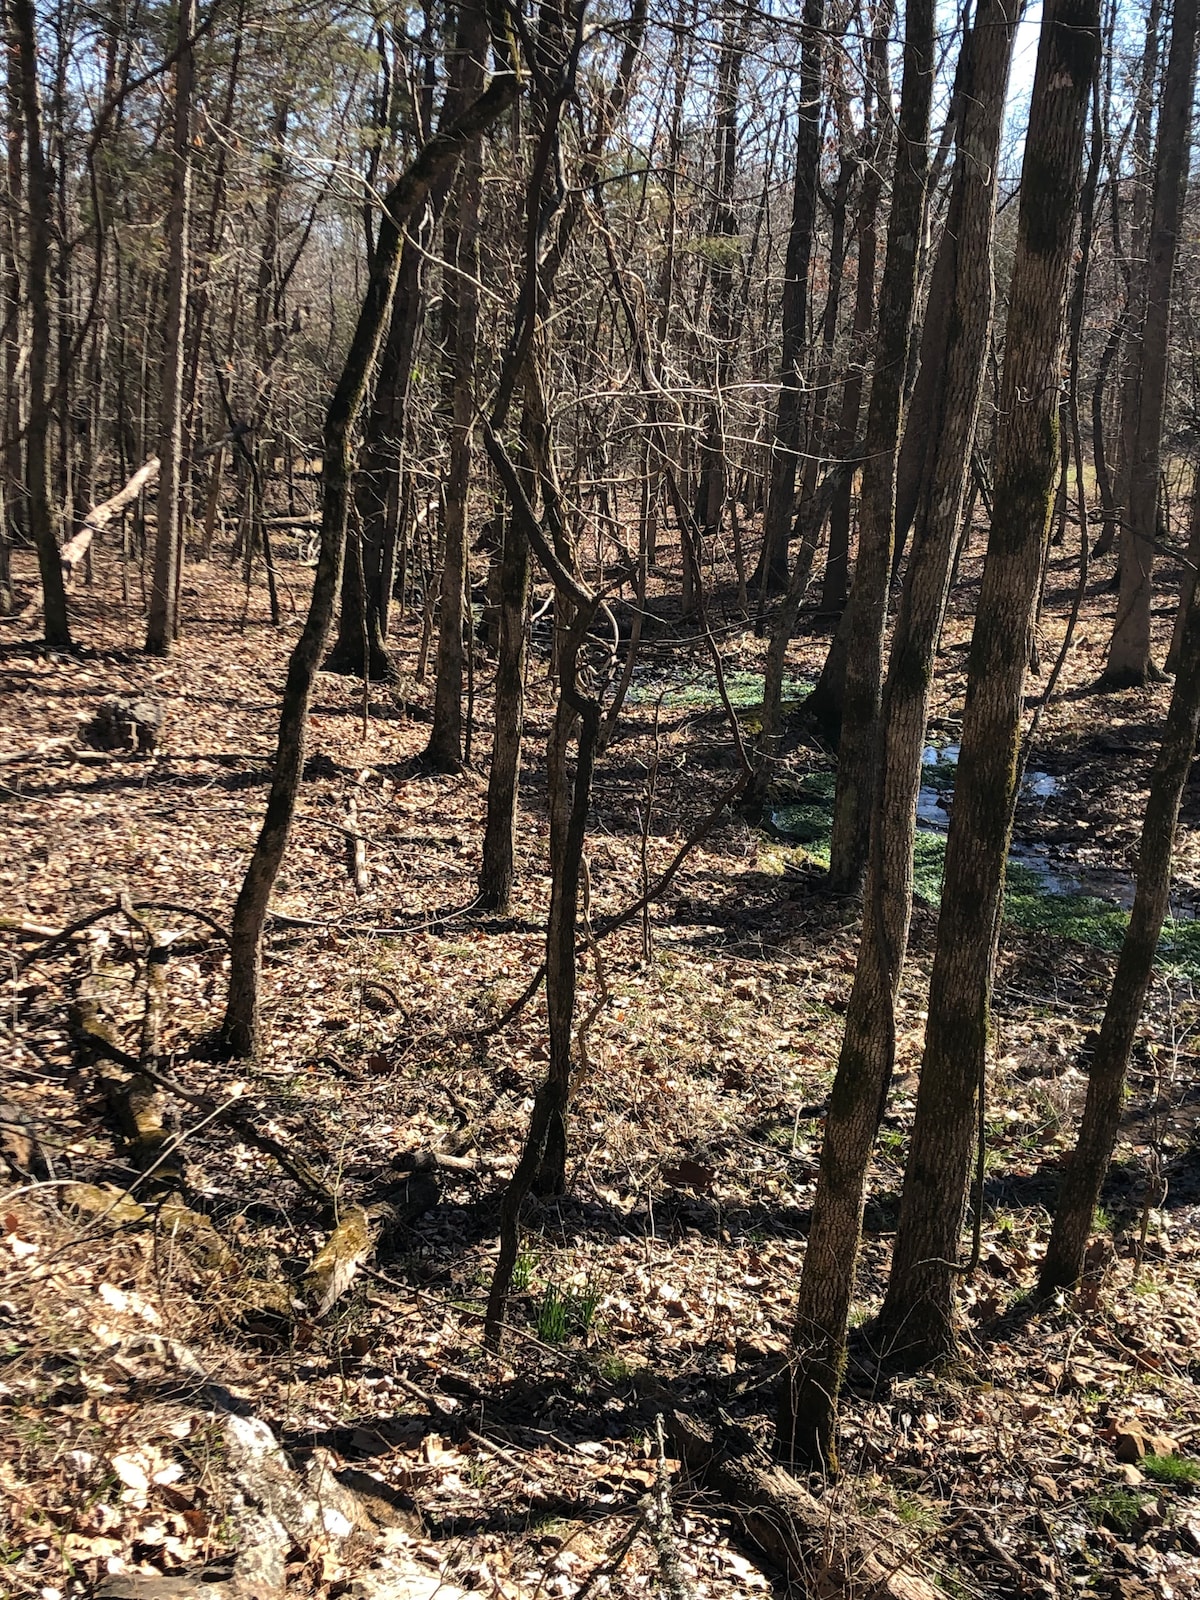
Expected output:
(133, 1327)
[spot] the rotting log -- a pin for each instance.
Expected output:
(831, 1553)
(100, 516)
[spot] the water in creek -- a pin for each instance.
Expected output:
(1047, 891)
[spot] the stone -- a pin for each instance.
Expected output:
(127, 722)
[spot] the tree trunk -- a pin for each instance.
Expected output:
(1129, 661)
(500, 833)
(15, 507)
(878, 89)
(1133, 268)
(919, 1309)
(241, 1025)
(163, 625)
(1109, 1064)
(367, 599)
(808, 1395)
(42, 521)
(712, 490)
(785, 442)
(460, 320)
(860, 692)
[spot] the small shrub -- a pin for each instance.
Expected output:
(1174, 1469)
(1117, 1508)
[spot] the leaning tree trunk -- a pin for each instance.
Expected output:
(1109, 1064)
(241, 1025)
(920, 1301)
(367, 585)
(858, 695)
(1129, 660)
(162, 628)
(39, 502)
(808, 1395)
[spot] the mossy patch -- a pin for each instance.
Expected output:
(698, 692)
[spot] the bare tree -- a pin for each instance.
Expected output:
(918, 1314)
(809, 1391)
(163, 625)
(240, 1029)
(1129, 659)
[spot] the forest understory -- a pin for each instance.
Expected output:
(146, 1313)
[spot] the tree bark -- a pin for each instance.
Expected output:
(808, 1394)
(460, 320)
(39, 192)
(725, 245)
(1133, 267)
(1109, 1064)
(860, 692)
(785, 442)
(162, 628)
(1129, 660)
(919, 1310)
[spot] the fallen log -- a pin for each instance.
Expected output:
(100, 516)
(832, 1554)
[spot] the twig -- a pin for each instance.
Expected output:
(662, 1526)
(609, 1567)
(618, 919)
(369, 931)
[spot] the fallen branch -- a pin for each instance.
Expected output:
(358, 848)
(830, 1554)
(26, 930)
(64, 935)
(93, 1035)
(38, 750)
(99, 517)
(661, 1520)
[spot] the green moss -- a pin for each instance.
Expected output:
(1085, 919)
(929, 865)
(699, 693)
(807, 823)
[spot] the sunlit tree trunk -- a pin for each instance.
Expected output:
(163, 624)
(919, 1310)
(1129, 660)
(808, 1394)
(43, 522)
